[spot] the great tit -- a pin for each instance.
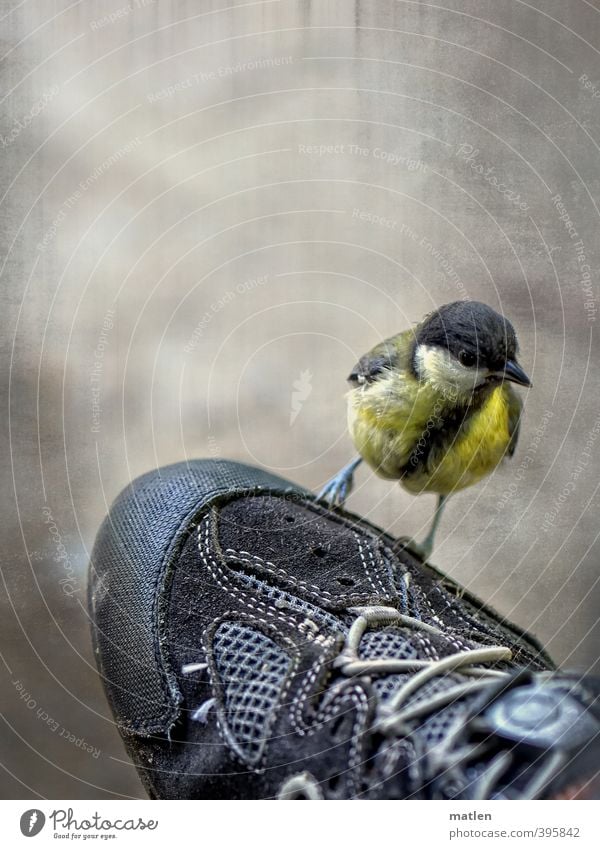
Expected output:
(433, 407)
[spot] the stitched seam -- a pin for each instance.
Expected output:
(300, 698)
(453, 636)
(338, 600)
(359, 699)
(223, 726)
(275, 570)
(374, 535)
(482, 629)
(427, 647)
(452, 632)
(373, 564)
(357, 695)
(384, 564)
(238, 595)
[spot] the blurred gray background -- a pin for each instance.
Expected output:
(208, 213)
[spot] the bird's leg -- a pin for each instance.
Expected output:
(338, 488)
(423, 549)
(429, 540)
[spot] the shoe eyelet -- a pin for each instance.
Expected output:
(345, 581)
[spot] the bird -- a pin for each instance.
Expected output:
(434, 407)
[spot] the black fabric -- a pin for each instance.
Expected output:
(135, 547)
(254, 592)
(337, 566)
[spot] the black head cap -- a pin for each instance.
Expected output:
(471, 328)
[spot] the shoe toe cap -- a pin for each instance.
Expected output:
(136, 547)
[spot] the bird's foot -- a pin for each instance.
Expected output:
(420, 550)
(337, 489)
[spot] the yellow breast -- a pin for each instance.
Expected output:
(456, 461)
(468, 456)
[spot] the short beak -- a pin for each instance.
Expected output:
(514, 373)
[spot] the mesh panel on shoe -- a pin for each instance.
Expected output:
(252, 669)
(392, 642)
(387, 685)
(435, 686)
(386, 642)
(436, 726)
(283, 600)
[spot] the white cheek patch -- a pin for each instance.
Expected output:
(439, 367)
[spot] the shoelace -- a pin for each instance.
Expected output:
(393, 715)
(391, 719)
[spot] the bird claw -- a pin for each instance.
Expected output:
(336, 490)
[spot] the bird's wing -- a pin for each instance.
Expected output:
(515, 407)
(392, 353)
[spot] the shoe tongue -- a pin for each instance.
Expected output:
(294, 546)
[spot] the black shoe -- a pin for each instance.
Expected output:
(254, 644)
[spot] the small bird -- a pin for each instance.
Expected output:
(433, 407)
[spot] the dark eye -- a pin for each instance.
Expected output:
(467, 359)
